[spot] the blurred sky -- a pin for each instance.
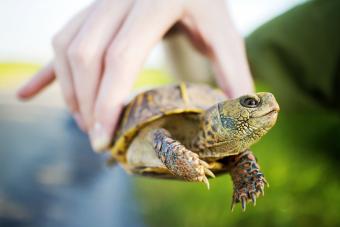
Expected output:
(28, 26)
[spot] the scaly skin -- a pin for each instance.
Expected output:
(248, 180)
(179, 160)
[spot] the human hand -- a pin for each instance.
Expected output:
(99, 52)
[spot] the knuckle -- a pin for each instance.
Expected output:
(81, 55)
(59, 42)
(76, 54)
(117, 54)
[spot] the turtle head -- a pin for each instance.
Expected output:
(240, 122)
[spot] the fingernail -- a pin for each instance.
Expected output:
(79, 121)
(100, 140)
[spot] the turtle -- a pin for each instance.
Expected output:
(193, 131)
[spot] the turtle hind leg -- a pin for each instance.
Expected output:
(179, 160)
(248, 180)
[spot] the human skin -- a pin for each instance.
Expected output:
(99, 52)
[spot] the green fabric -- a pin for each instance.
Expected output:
(297, 55)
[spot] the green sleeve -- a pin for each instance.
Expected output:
(297, 55)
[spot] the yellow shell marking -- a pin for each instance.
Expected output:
(184, 93)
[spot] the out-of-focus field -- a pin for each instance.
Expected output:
(300, 159)
(14, 74)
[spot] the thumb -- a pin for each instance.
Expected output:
(101, 134)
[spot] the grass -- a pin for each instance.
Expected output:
(304, 183)
(13, 74)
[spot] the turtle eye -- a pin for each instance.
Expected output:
(249, 102)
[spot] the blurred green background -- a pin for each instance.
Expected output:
(300, 159)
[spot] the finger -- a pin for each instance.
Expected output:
(146, 24)
(86, 52)
(232, 69)
(227, 49)
(60, 43)
(37, 83)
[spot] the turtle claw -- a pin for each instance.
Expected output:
(248, 191)
(198, 169)
(265, 182)
(206, 182)
(244, 203)
(253, 198)
(203, 163)
(201, 169)
(261, 190)
(233, 203)
(180, 161)
(209, 172)
(249, 181)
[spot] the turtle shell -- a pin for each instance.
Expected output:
(155, 104)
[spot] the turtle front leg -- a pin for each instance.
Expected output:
(248, 180)
(179, 160)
